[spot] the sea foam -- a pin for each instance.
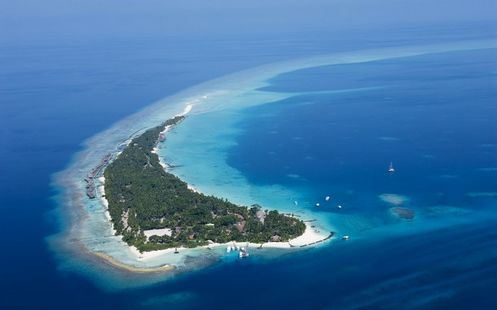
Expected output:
(88, 229)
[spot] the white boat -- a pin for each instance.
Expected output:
(339, 206)
(296, 202)
(228, 249)
(346, 237)
(243, 252)
(327, 198)
(317, 204)
(391, 168)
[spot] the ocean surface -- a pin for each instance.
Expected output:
(433, 116)
(302, 131)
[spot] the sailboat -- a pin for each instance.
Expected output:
(391, 168)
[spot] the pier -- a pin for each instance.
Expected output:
(94, 174)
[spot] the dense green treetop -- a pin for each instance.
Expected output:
(143, 196)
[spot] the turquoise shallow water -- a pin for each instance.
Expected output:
(222, 102)
(334, 132)
(70, 73)
(300, 130)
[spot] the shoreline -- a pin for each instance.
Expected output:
(127, 267)
(310, 237)
(83, 223)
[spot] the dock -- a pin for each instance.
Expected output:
(95, 173)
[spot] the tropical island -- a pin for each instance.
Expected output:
(153, 209)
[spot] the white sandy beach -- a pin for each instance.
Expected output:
(105, 202)
(90, 227)
(311, 236)
(155, 150)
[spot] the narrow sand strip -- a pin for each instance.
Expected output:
(311, 236)
(113, 262)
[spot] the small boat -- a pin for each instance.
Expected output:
(176, 251)
(346, 237)
(391, 168)
(296, 203)
(339, 206)
(243, 252)
(228, 249)
(317, 204)
(327, 198)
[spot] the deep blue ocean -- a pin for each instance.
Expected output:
(433, 116)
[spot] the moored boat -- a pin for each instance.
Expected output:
(243, 252)
(391, 168)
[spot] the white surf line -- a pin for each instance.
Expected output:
(225, 86)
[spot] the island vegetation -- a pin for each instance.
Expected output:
(142, 196)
